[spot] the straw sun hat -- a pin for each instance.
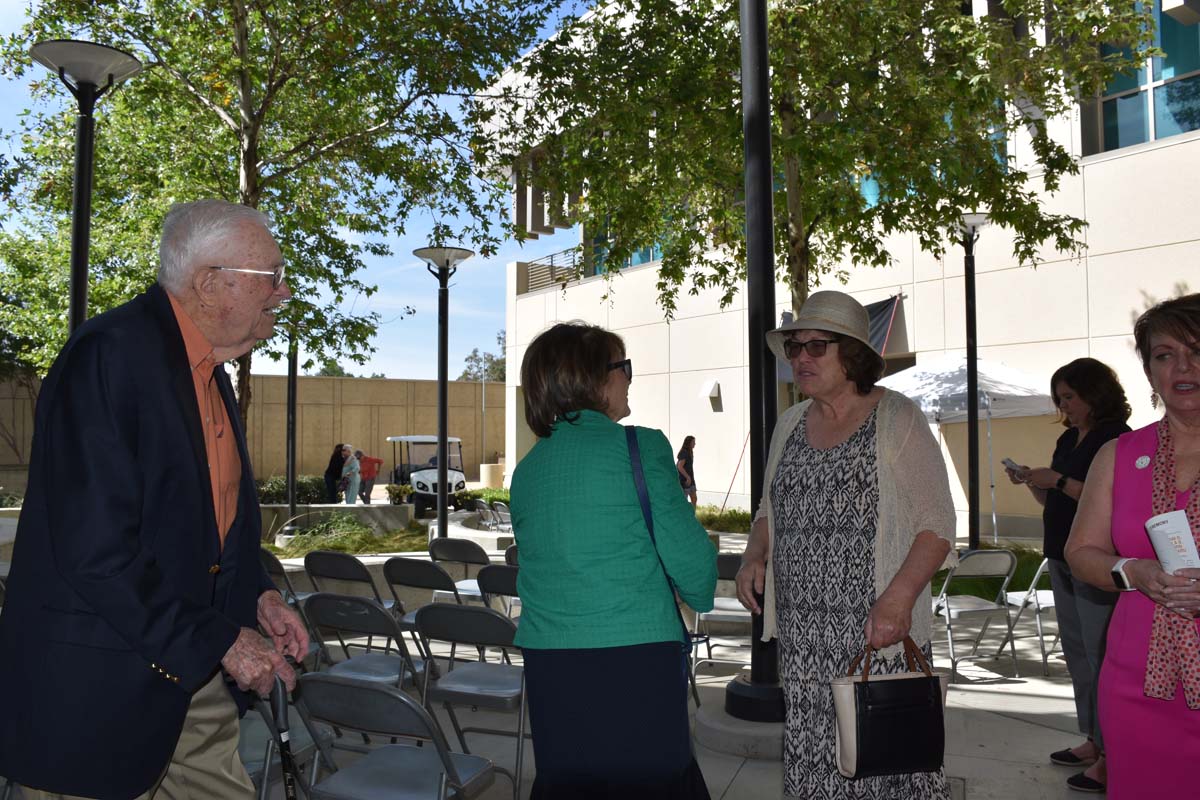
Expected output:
(831, 311)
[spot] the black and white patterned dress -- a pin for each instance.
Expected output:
(825, 509)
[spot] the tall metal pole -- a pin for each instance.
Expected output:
(970, 235)
(81, 203)
(760, 699)
(443, 274)
(293, 357)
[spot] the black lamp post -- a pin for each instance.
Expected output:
(442, 262)
(971, 224)
(760, 698)
(88, 70)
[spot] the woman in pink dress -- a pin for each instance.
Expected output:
(1149, 691)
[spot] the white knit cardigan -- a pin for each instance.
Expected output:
(914, 496)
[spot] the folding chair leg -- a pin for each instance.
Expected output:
(982, 631)
(692, 682)
(1041, 641)
(520, 743)
(457, 728)
(950, 644)
(264, 784)
(1012, 645)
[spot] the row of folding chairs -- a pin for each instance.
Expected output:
(961, 610)
(394, 664)
(365, 691)
(493, 516)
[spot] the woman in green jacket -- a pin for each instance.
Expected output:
(596, 608)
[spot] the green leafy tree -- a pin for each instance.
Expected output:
(341, 120)
(639, 106)
(485, 366)
(330, 368)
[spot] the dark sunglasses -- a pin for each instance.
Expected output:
(626, 365)
(814, 347)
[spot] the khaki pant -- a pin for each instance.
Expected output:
(205, 765)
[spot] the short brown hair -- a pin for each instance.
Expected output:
(863, 365)
(564, 371)
(1097, 385)
(1178, 317)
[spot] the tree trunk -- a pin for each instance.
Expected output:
(798, 255)
(249, 190)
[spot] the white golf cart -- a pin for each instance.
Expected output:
(414, 461)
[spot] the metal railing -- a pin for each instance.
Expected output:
(554, 269)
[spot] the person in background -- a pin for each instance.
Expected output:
(1093, 408)
(1149, 688)
(350, 474)
(368, 467)
(333, 474)
(855, 519)
(595, 601)
(687, 472)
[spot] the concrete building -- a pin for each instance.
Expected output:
(1139, 152)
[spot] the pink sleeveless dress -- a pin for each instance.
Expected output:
(1152, 746)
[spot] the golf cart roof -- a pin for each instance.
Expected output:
(423, 439)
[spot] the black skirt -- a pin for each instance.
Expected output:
(612, 722)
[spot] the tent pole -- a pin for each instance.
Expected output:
(987, 404)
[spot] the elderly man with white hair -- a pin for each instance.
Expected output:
(130, 630)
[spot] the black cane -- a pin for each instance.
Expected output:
(287, 762)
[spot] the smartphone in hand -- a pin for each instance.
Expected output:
(1014, 466)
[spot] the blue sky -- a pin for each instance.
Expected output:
(406, 347)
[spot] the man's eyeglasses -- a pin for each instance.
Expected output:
(626, 365)
(276, 274)
(814, 347)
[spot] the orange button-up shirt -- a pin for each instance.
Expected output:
(220, 444)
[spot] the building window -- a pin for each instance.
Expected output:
(1162, 98)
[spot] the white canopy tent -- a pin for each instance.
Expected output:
(939, 387)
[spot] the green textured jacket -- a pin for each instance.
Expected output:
(589, 575)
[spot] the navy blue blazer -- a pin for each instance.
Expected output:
(121, 601)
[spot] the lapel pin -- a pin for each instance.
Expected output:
(1142, 462)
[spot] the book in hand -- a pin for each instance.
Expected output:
(1173, 542)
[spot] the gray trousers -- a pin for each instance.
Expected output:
(1082, 611)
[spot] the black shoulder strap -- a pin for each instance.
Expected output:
(639, 482)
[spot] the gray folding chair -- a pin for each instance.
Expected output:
(997, 565)
(323, 566)
(417, 573)
(725, 610)
(460, 551)
(1039, 601)
(510, 555)
(499, 582)
(487, 517)
(259, 751)
(478, 684)
(394, 771)
(503, 515)
(352, 617)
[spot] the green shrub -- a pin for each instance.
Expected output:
(345, 533)
(398, 492)
(10, 499)
(731, 520)
(310, 489)
(488, 496)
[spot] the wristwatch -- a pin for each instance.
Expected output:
(1119, 577)
(1061, 483)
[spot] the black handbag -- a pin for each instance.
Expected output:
(889, 724)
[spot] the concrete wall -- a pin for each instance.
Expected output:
(362, 411)
(1143, 245)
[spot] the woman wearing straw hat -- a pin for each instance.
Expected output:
(855, 519)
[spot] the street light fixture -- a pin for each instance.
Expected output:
(88, 70)
(972, 223)
(442, 262)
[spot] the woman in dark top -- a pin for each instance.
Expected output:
(687, 472)
(1094, 409)
(333, 474)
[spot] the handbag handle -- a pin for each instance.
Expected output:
(912, 655)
